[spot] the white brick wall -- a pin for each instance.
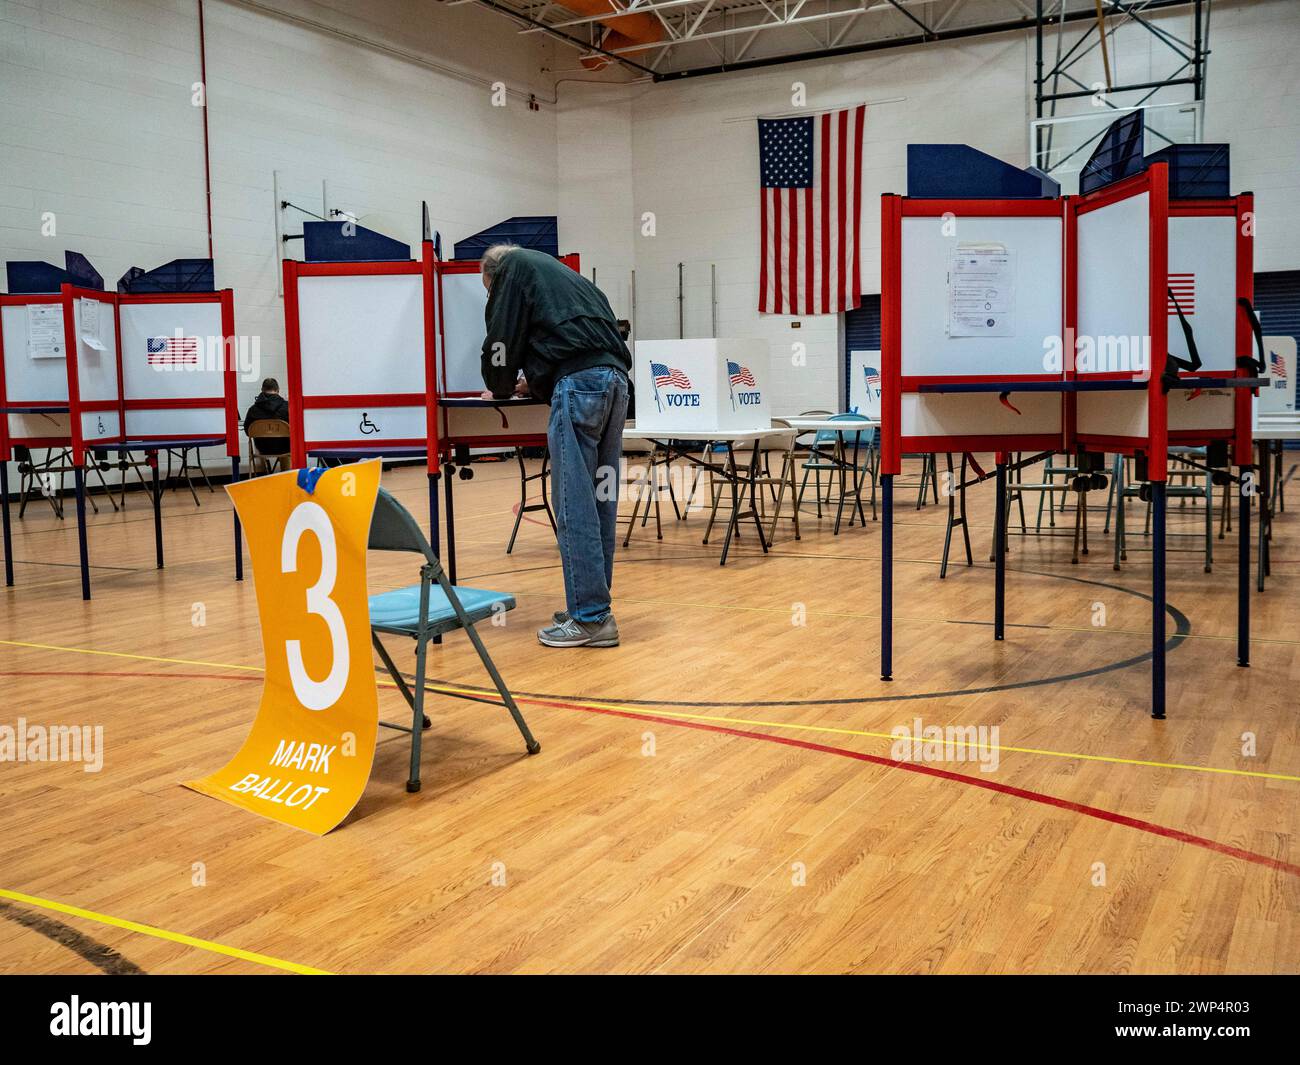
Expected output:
(698, 171)
(96, 125)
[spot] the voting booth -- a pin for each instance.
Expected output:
(359, 346)
(687, 388)
(180, 368)
(60, 385)
(384, 360)
(89, 370)
(865, 383)
(1278, 399)
(1013, 320)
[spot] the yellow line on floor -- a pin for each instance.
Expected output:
(637, 709)
(162, 933)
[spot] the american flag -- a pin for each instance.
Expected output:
(1182, 287)
(170, 351)
(668, 375)
(740, 375)
(1278, 364)
(810, 170)
(873, 378)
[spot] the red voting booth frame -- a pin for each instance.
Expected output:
(74, 406)
(1153, 444)
(437, 445)
(439, 438)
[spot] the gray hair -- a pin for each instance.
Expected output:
(493, 258)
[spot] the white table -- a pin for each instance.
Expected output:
(739, 484)
(1271, 432)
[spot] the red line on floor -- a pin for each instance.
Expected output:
(889, 763)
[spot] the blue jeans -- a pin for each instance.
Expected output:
(585, 434)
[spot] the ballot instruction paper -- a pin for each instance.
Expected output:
(90, 324)
(981, 291)
(45, 331)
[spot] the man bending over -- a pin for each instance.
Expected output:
(551, 332)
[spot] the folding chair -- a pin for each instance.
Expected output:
(260, 462)
(424, 612)
(182, 456)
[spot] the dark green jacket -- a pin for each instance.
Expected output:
(548, 321)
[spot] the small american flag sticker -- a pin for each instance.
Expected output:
(172, 351)
(668, 375)
(1182, 292)
(740, 375)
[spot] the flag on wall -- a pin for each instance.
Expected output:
(810, 173)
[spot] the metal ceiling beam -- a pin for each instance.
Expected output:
(959, 33)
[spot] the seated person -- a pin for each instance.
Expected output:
(269, 406)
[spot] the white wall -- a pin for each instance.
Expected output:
(97, 126)
(698, 171)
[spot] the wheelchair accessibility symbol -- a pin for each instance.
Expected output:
(99, 427)
(367, 427)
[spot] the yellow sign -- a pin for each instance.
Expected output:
(307, 759)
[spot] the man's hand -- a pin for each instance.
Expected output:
(486, 394)
(521, 386)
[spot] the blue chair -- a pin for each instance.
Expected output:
(424, 612)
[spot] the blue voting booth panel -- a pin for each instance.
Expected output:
(1118, 154)
(346, 242)
(29, 277)
(179, 275)
(539, 232)
(1196, 171)
(960, 172)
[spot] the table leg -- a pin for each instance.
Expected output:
(887, 577)
(753, 497)
(1158, 500)
(239, 533)
(79, 476)
(733, 519)
(435, 532)
(8, 529)
(447, 483)
(1000, 556)
(1263, 474)
(157, 514)
(857, 481)
(1243, 573)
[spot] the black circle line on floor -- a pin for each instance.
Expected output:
(97, 954)
(1182, 629)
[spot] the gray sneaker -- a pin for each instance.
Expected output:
(571, 633)
(559, 617)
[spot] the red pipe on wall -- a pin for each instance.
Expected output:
(207, 159)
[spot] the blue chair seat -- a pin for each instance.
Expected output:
(399, 610)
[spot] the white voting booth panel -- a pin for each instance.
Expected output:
(35, 367)
(97, 408)
(462, 304)
(1203, 280)
(361, 357)
(1021, 307)
(975, 296)
(175, 363)
(688, 388)
(1113, 326)
(1280, 368)
(865, 383)
(484, 426)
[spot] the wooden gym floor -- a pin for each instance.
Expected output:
(715, 795)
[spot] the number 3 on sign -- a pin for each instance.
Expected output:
(316, 694)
